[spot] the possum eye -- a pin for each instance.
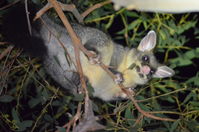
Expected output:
(145, 58)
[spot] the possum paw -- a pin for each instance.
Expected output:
(118, 78)
(122, 95)
(96, 59)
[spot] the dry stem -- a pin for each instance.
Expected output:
(65, 7)
(5, 52)
(3, 43)
(77, 46)
(9, 5)
(88, 11)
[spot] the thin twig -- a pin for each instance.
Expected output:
(147, 114)
(28, 18)
(75, 118)
(73, 9)
(3, 43)
(96, 6)
(162, 95)
(5, 52)
(9, 5)
(65, 7)
(138, 120)
(42, 11)
(44, 110)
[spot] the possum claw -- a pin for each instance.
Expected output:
(96, 59)
(118, 78)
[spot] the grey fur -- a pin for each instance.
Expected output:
(60, 68)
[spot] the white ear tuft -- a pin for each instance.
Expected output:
(148, 42)
(163, 71)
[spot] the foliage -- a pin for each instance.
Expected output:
(32, 101)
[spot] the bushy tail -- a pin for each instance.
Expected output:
(15, 30)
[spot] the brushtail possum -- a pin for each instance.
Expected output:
(136, 66)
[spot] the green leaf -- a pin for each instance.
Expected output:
(181, 61)
(162, 34)
(192, 125)
(182, 28)
(45, 95)
(24, 124)
(131, 26)
(186, 58)
(57, 103)
(188, 97)
(27, 123)
(195, 104)
(33, 102)
(131, 13)
(129, 116)
(61, 129)
(78, 97)
(6, 98)
(174, 126)
(48, 118)
(15, 115)
(90, 89)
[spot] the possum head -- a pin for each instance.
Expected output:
(142, 64)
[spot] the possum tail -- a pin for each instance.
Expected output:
(15, 30)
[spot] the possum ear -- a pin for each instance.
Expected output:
(148, 42)
(163, 71)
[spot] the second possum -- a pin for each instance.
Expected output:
(135, 66)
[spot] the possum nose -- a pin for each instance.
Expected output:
(145, 70)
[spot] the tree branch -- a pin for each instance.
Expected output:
(77, 46)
